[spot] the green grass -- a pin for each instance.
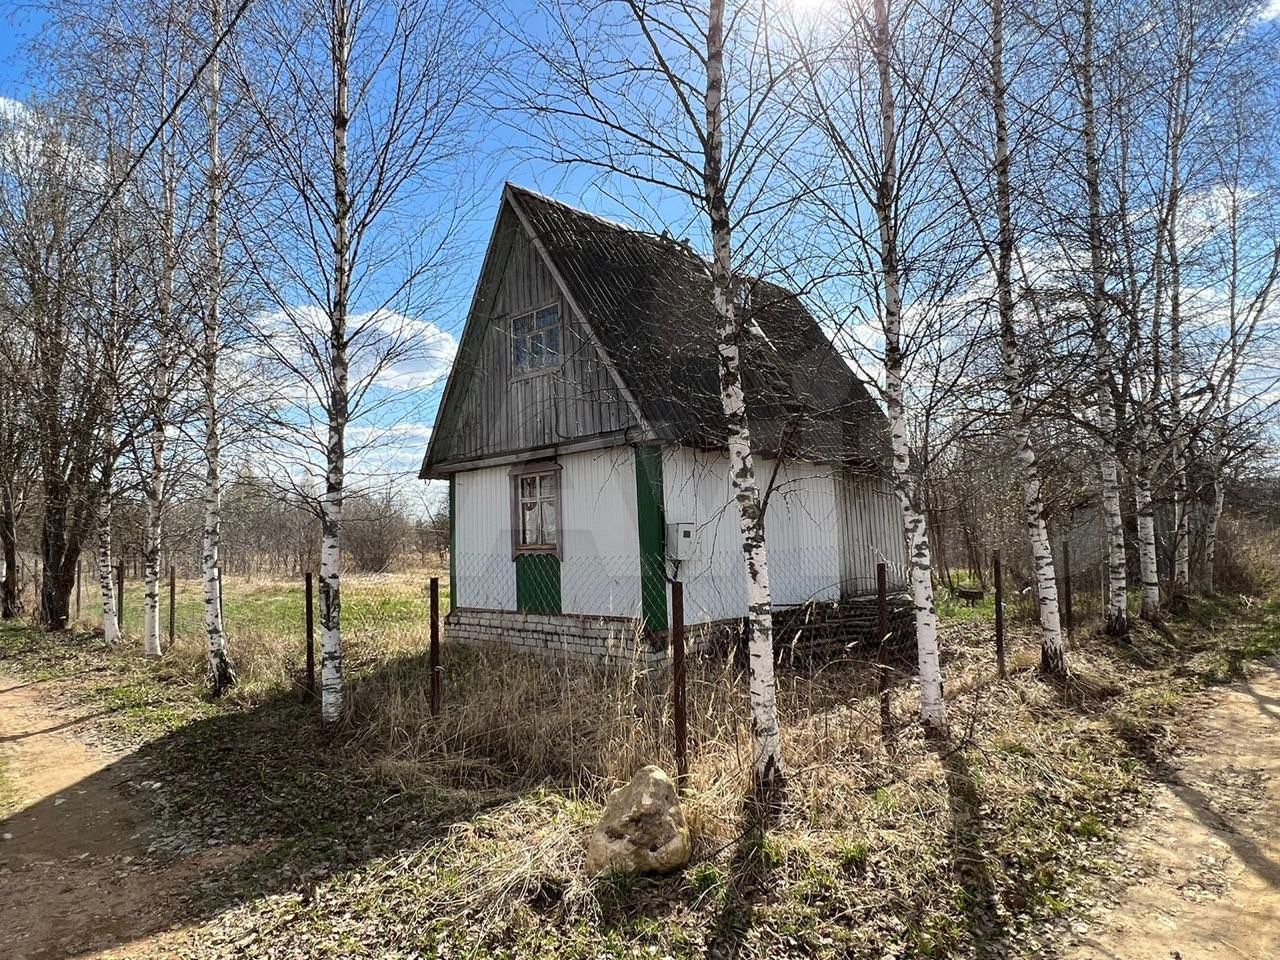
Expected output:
(271, 606)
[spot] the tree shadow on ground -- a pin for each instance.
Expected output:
(1202, 806)
(233, 807)
(1173, 646)
(970, 844)
(744, 887)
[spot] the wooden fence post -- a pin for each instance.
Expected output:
(679, 703)
(173, 604)
(999, 582)
(310, 620)
(435, 646)
(120, 594)
(1066, 587)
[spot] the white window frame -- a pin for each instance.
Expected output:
(535, 332)
(541, 469)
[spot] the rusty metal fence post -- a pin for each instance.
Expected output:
(309, 619)
(435, 646)
(679, 702)
(997, 575)
(1066, 587)
(882, 665)
(120, 595)
(173, 605)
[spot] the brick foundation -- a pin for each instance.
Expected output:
(563, 634)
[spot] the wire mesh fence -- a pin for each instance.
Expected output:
(395, 607)
(371, 604)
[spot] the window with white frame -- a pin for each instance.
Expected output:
(535, 340)
(536, 500)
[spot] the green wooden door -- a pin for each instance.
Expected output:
(538, 583)
(649, 522)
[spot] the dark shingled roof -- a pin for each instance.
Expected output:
(648, 298)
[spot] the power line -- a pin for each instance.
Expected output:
(165, 120)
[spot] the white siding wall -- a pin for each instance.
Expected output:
(821, 529)
(486, 574)
(600, 570)
(801, 526)
(870, 532)
(696, 489)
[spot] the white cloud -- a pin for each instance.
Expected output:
(12, 109)
(388, 349)
(1271, 11)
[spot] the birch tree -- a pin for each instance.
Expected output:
(681, 99)
(359, 119)
(987, 169)
(166, 52)
(221, 671)
(874, 86)
(1085, 64)
(1053, 655)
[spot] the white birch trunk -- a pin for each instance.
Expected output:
(1053, 650)
(1182, 538)
(766, 731)
(933, 711)
(331, 695)
(1147, 563)
(151, 546)
(331, 692)
(1211, 531)
(106, 580)
(222, 675)
(1113, 521)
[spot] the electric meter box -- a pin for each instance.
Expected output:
(680, 541)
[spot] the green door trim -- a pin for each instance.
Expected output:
(453, 541)
(649, 527)
(537, 583)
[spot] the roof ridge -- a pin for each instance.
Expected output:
(663, 237)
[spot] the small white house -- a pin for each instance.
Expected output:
(582, 437)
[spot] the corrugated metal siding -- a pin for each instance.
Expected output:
(482, 530)
(489, 412)
(822, 529)
(826, 531)
(600, 569)
(802, 531)
(870, 532)
(696, 489)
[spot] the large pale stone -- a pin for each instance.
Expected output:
(642, 829)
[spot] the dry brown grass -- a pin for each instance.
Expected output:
(890, 845)
(546, 739)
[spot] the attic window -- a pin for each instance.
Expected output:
(535, 340)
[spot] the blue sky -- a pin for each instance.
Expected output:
(406, 420)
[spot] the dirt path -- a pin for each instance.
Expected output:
(1209, 857)
(75, 876)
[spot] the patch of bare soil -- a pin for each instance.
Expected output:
(1207, 882)
(76, 879)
